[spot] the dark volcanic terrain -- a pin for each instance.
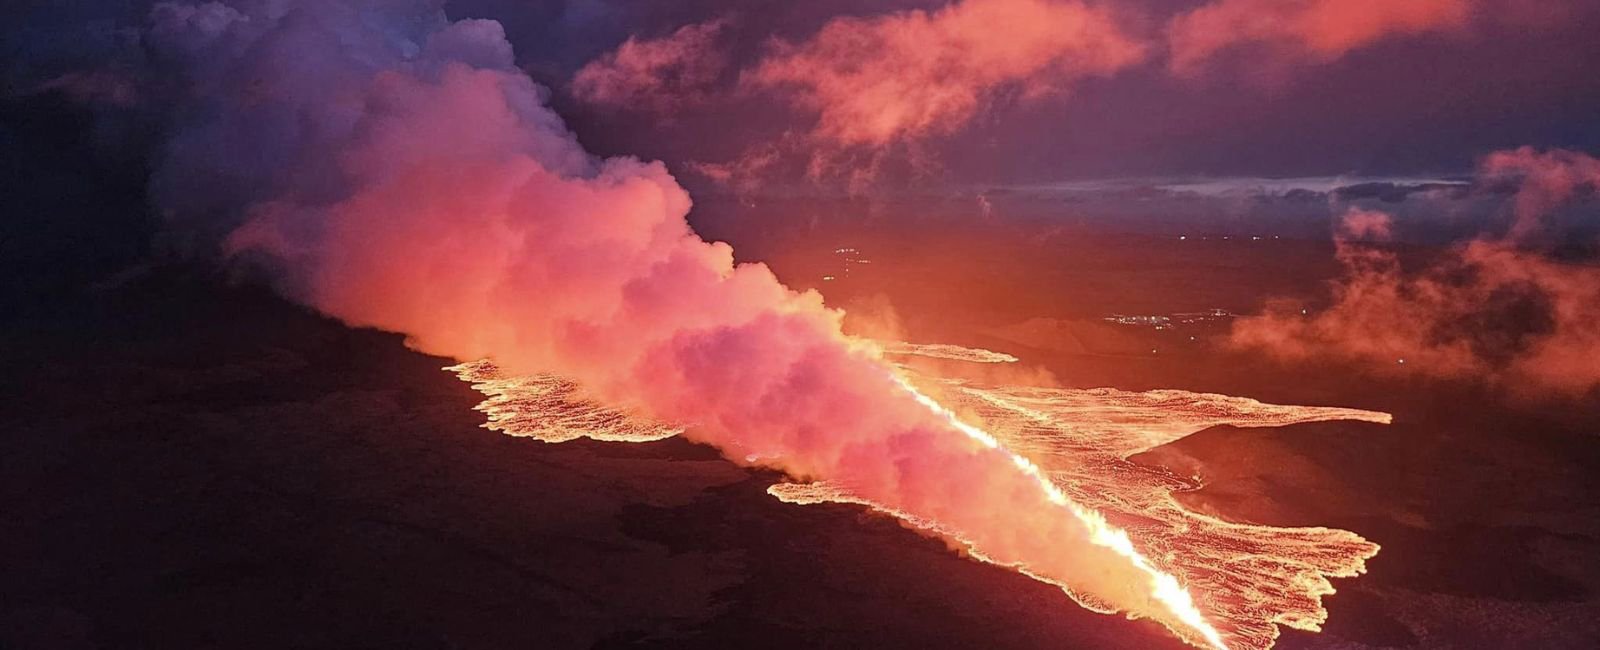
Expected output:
(189, 465)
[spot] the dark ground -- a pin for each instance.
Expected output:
(187, 466)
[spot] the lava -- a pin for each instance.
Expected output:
(552, 409)
(945, 351)
(1221, 584)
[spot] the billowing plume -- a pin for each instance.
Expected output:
(1494, 308)
(395, 170)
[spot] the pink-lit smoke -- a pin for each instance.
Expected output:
(1493, 309)
(397, 171)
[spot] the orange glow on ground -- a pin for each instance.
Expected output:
(1220, 584)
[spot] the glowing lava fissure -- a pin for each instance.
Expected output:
(552, 409)
(1166, 588)
(1243, 581)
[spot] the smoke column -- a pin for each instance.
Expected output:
(395, 170)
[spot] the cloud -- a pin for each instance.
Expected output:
(1545, 180)
(1491, 309)
(656, 75)
(902, 77)
(1313, 31)
(106, 87)
(897, 92)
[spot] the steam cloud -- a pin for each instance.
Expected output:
(397, 171)
(1495, 308)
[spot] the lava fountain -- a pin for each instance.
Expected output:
(1243, 581)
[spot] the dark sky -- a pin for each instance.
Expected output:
(1407, 104)
(1416, 102)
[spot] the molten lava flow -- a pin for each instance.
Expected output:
(1243, 581)
(1247, 579)
(944, 351)
(1165, 587)
(551, 409)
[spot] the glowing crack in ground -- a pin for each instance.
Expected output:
(1231, 584)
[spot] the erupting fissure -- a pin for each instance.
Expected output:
(1164, 586)
(1073, 445)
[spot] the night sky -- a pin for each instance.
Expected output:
(1406, 96)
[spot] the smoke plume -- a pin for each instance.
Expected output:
(1496, 308)
(395, 170)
